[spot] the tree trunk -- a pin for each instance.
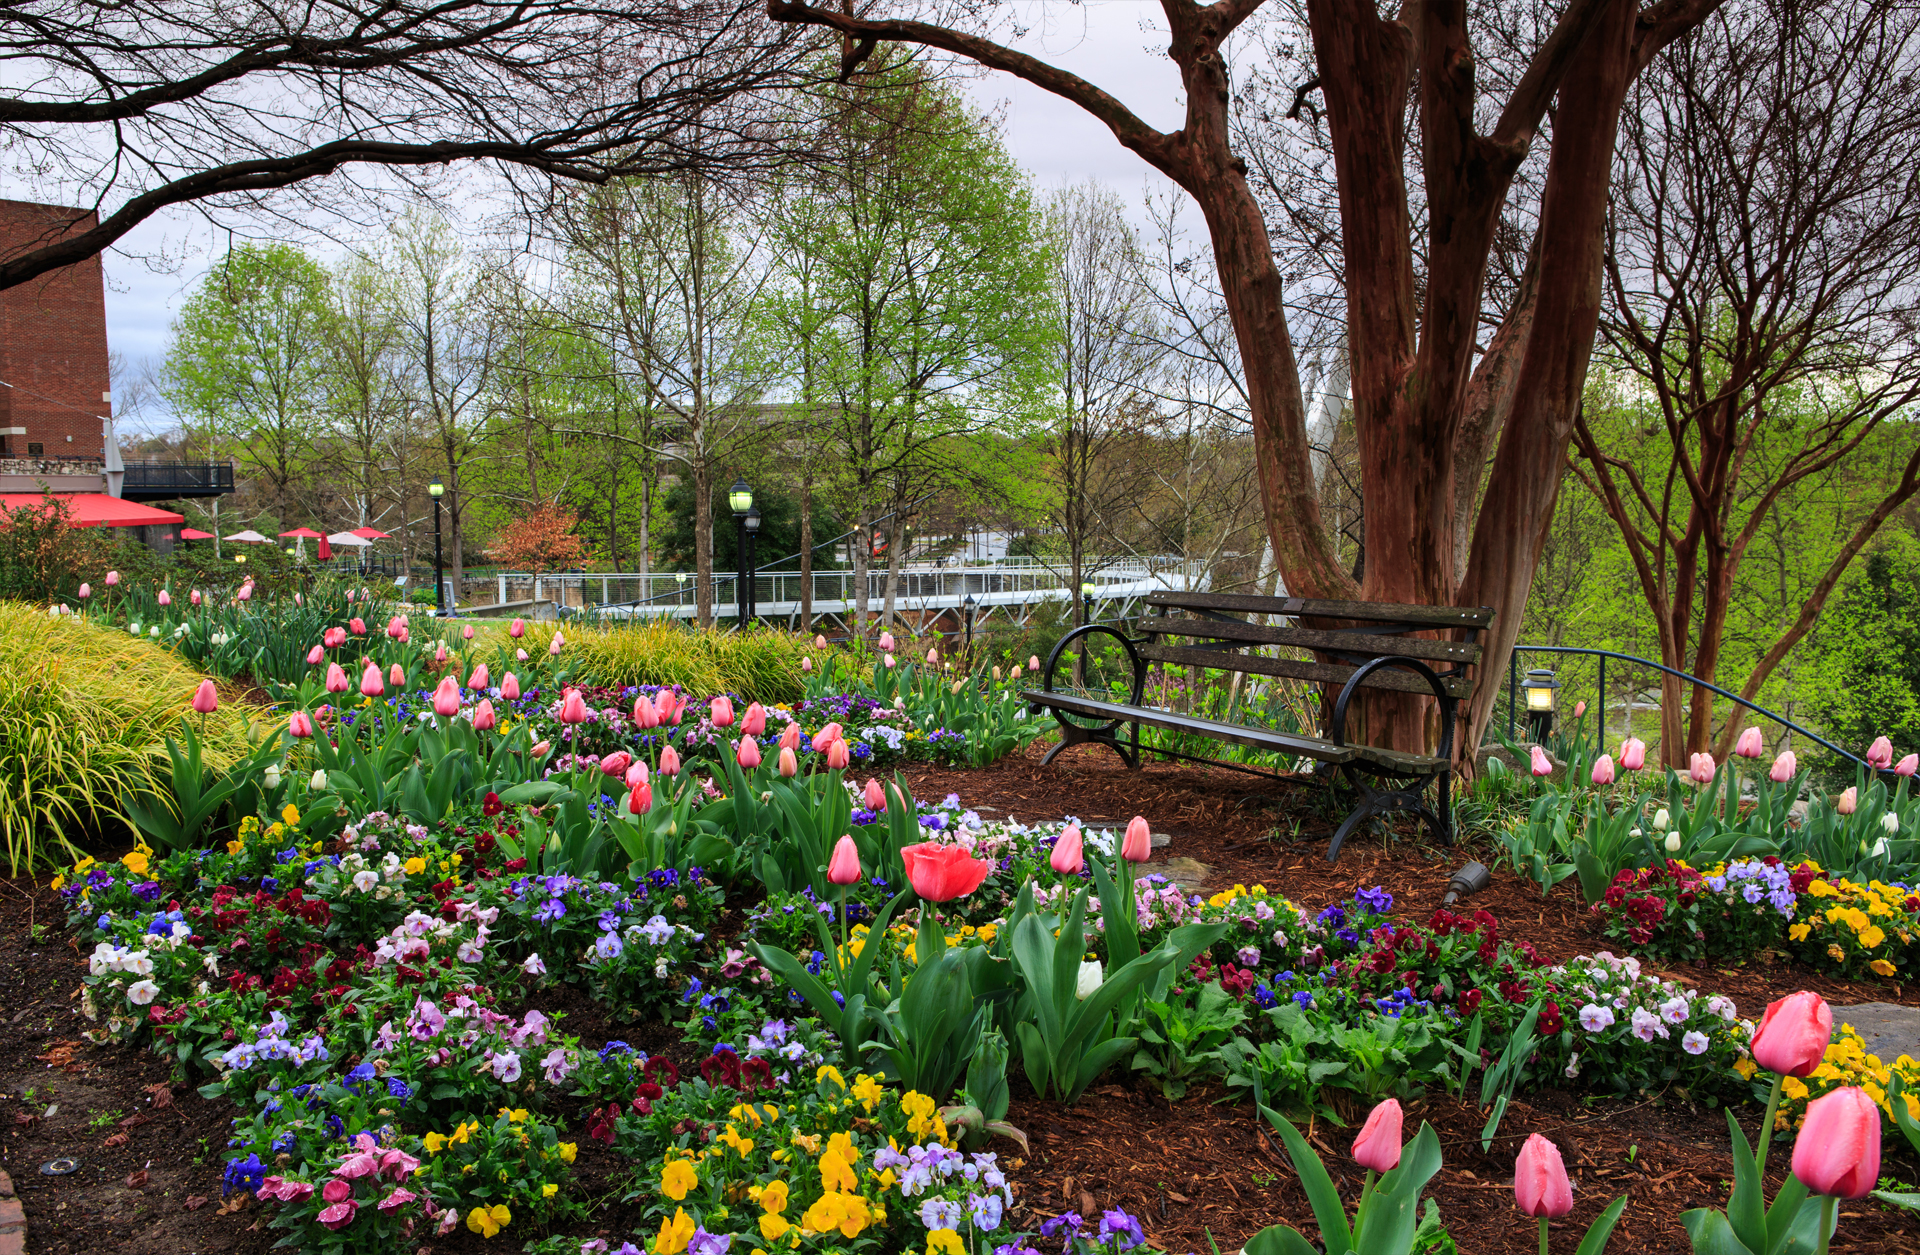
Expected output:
(896, 529)
(806, 553)
(703, 542)
(862, 555)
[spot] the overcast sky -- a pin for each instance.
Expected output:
(1101, 40)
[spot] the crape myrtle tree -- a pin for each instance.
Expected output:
(1435, 389)
(132, 107)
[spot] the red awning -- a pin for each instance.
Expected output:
(97, 509)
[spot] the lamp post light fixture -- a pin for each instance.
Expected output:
(970, 606)
(1086, 598)
(740, 497)
(1541, 690)
(436, 490)
(752, 524)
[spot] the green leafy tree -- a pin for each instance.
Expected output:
(1866, 658)
(779, 529)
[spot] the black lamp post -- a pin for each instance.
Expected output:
(436, 490)
(1086, 595)
(740, 497)
(970, 605)
(752, 523)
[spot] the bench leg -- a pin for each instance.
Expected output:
(1407, 797)
(1072, 734)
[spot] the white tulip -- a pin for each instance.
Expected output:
(1660, 820)
(1090, 979)
(319, 781)
(1673, 843)
(1891, 822)
(272, 777)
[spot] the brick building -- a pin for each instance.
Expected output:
(53, 356)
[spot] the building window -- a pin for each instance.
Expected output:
(36, 450)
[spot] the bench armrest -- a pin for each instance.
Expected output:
(1338, 732)
(1133, 656)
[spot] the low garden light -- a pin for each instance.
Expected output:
(1542, 691)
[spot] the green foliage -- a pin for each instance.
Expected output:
(1181, 1038)
(779, 528)
(1866, 656)
(43, 556)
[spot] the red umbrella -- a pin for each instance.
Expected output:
(325, 550)
(305, 531)
(368, 533)
(188, 533)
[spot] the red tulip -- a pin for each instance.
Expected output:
(1378, 1146)
(669, 762)
(480, 679)
(1542, 765)
(397, 676)
(510, 688)
(1880, 753)
(790, 739)
(1749, 745)
(1838, 1150)
(825, 737)
(640, 801)
(336, 679)
(299, 724)
(1603, 769)
(1069, 852)
(1785, 767)
(357, 626)
(484, 719)
(1633, 753)
(844, 869)
(205, 699)
(875, 797)
(789, 763)
(939, 872)
(370, 685)
(446, 697)
(573, 708)
(755, 722)
(314, 656)
(616, 764)
(838, 756)
(1138, 845)
(748, 752)
(518, 630)
(1793, 1034)
(1540, 1183)
(721, 712)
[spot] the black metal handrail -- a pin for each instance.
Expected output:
(1513, 691)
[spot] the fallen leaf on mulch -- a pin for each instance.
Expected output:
(60, 1054)
(116, 1141)
(233, 1204)
(136, 1119)
(162, 1094)
(26, 1118)
(138, 1180)
(196, 1201)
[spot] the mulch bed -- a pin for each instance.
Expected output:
(1201, 1171)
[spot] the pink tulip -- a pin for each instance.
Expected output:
(1603, 769)
(245, 593)
(336, 679)
(205, 699)
(518, 630)
(644, 715)
(1793, 1034)
(1700, 769)
(370, 685)
(806, 666)
(1838, 1150)
(554, 646)
(299, 600)
(825, 737)
(315, 656)
(933, 655)
(875, 797)
(886, 641)
(748, 752)
(334, 637)
(939, 872)
(1907, 766)
(790, 739)
(573, 707)
(1579, 709)
(1033, 662)
(1749, 744)
(1377, 1149)
(640, 801)
(844, 869)
(1633, 753)
(440, 654)
(1069, 856)
(520, 655)
(397, 676)
(1540, 1184)
(166, 598)
(721, 712)
(1138, 845)
(888, 659)
(755, 722)
(819, 642)
(86, 591)
(299, 724)
(1880, 753)
(669, 762)
(480, 679)
(671, 706)
(636, 774)
(193, 597)
(357, 625)
(113, 577)
(540, 748)
(510, 688)
(484, 720)
(1785, 767)
(789, 763)
(1848, 801)
(616, 764)
(838, 756)
(446, 697)
(1542, 765)
(466, 633)
(394, 627)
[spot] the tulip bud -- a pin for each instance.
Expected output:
(113, 577)
(888, 659)
(299, 724)
(1785, 767)
(1377, 1149)
(806, 666)
(1672, 842)
(838, 756)
(1838, 1149)
(886, 642)
(484, 720)
(748, 753)
(510, 688)
(789, 763)
(1015, 673)
(555, 645)
(1907, 766)
(315, 656)
(1069, 852)
(193, 597)
(790, 739)
(1793, 1035)
(844, 868)
(1880, 754)
(86, 591)
(1540, 1185)
(397, 676)
(819, 642)
(518, 630)
(1138, 845)
(1848, 801)
(440, 654)
(1661, 819)
(875, 796)
(1579, 708)
(336, 679)
(996, 673)
(1749, 744)
(540, 748)
(318, 782)
(1603, 770)
(933, 655)
(669, 762)
(466, 633)
(1033, 662)
(1542, 765)
(370, 684)
(166, 598)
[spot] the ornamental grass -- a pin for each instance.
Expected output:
(760, 665)
(84, 716)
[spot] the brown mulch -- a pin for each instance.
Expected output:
(1201, 1171)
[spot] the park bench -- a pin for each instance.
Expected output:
(1353, 644)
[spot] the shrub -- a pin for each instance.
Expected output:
(84, 716)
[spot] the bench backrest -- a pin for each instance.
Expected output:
(1213, 618)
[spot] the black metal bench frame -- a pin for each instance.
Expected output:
(1376, 654)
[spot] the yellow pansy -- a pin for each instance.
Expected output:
(1822, 889)
(677, 1178)
(487, 1221)
(868, 1090)
(1870, 938)
(1798, 932)
(809, 1142)
(549, 1190)
(828, 1072)
(568, 1150)
(290, 815)
(415, 865)
(135, 861)
(837, 1210)
(1882, 968)
(517, 1116)
(434, 1142)
(944, 1242)
(743, 1146)
(674, 1234)
(836, 1173)
(773, 1197)
(773, 1226)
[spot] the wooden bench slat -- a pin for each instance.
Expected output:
(1366, 611)
(1239, 734)
(1396, 679)
(1452, 652)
